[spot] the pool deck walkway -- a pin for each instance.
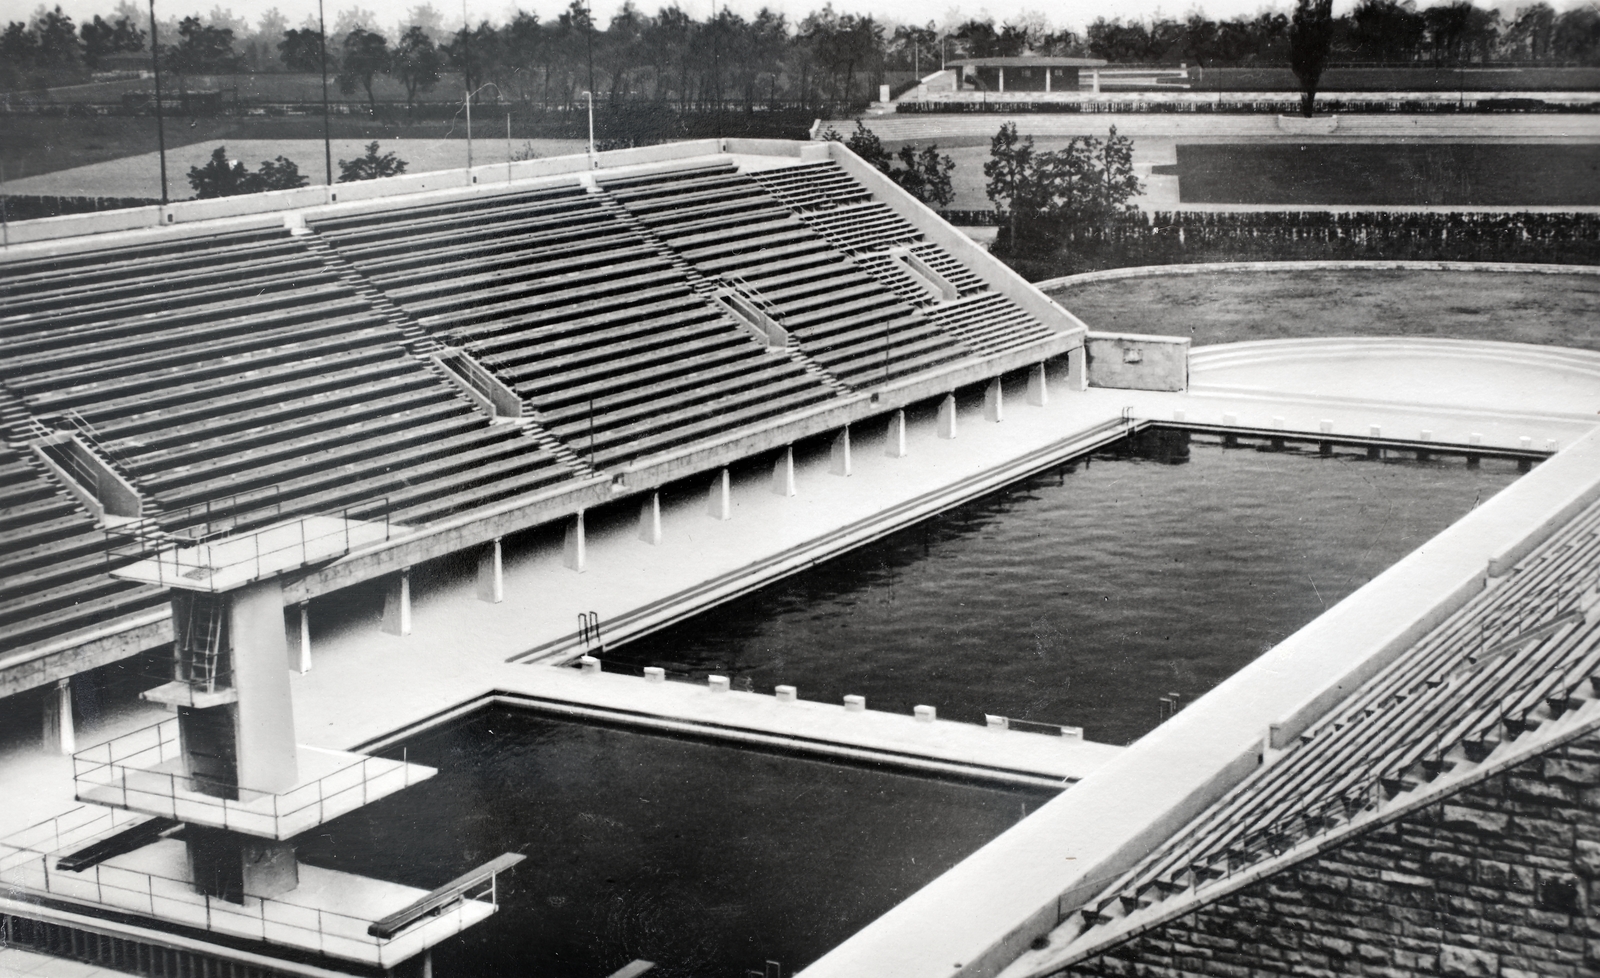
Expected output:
(366, 684)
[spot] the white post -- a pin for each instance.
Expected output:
(1002, 78)
(783, 472)
(397, 605)
(499, 572)
(1047, 79)
(405, 601)
(947, 416)
(305, 637)
(719, 502)
(994, 405)
(840, 462)
(1038, 386)
(650, 519)
(1078, 369)
(58, 732)
(895, 444)
(1096, 76)
(574, 554)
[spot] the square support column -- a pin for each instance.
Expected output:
(304, 666)
(57, 735)
(1078, 369)
(650, 519)
(397, 605)
(267, 757)
(783, 473)
(719, 501)
(491, 574)
(994, 402)
(1038, 386)
(895, 445)
(574, 552)
(839, 462)
(947, 416)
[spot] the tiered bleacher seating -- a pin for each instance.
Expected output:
(52, 561)
(235, 380)
(727, 228)
(842, 210)
(1515, 656)
(558, 294)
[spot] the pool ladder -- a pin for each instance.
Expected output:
(589, 631)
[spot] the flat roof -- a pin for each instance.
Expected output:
(1030, 61)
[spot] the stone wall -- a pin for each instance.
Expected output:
(1501, 879)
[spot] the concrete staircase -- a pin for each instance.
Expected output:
(697, 281)
(17, 425)
(417, 339)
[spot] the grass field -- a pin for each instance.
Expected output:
(1389, 174)
(1559, 310)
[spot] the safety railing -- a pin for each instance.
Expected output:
(123, 773)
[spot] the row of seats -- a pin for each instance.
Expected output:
(841, 209)
(1471, 684)
(234, 381)
(566, 302)
(53, 564)
(723, 224)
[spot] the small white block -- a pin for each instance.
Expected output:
(1178, 415)
(1277, 421)
(655, 674)
(1526, 441)
(589, 664)
(855, 704)
(995, 722)
(1072, 733)
(1230, 419)
(1427, 435)
(1375, 430)
(786, 694)
(1550, 444)
(925, 714)
(718, 684)
(1327, 426)
(1476, 438)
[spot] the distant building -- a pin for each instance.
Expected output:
(1025, 73)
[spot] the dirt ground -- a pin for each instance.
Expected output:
(1559, 310)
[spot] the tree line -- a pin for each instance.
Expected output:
(676, 58)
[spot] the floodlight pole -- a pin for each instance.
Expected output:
(590, 97)
(161, 131)
(466, 74)
(327, 113)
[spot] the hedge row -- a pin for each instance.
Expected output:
(1205, 236)
(30, 206)
(1251, 106)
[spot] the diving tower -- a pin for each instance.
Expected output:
(190, 824)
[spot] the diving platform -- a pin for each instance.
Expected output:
(230, 562)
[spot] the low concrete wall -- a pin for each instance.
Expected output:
(1134, 361)
(1223, 267)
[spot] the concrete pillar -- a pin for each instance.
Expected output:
(1095, 77)
(1002, 79)
(783, 472)
(57, 734)
(1078, 369)
(1047, 79)
(267, 758)
(397, 605)
(839, 463)
(574, 552)
(650, 519)
(305, 637)
(947, 416)
(1038, 386)
(895, 445)
(994, 402)
(491, 574)
(719, 501)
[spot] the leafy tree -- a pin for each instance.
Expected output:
(1088, 182)
(416, 62)
(201, 49)
(301, 50)
(924, 173)
(1310, 43)
(371, 166)
(1386, 30)
(222, 177)
(101, 39)
(366, 55)
(1010, 169)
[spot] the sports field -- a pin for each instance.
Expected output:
(1389, 174)
(1560, 310)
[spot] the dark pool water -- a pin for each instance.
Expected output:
(1083, 597)
(705, 858)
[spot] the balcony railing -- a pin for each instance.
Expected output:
(28, 861)
(137, 771)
